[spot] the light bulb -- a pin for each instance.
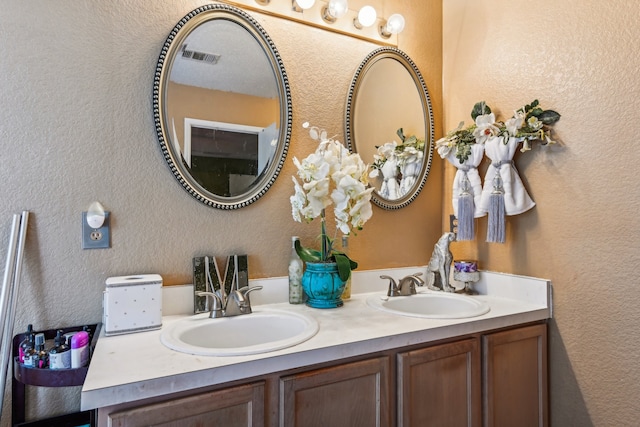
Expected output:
(334, 10)
(303, 4)
(394, 25)
(366, 17)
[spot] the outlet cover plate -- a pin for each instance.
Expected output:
(96, 238)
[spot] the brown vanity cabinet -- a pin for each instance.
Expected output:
(239, 406)
(515, 377)
(486, 379)
(351, 394)
(440, 385)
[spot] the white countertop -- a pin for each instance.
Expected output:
(137, 366)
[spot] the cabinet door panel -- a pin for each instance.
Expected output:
(440, 385)
(350, 395)
(240, 406)
(515, 370)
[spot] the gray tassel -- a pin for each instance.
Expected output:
(496, 226)
(466, 211)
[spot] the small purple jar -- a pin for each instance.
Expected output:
(465, 266)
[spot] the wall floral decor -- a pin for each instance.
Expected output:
(503, 192)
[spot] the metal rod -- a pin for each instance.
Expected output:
(7, 339)
(7, 283)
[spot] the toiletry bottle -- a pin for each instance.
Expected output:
(79, 349)
(38, 356)
(60, 353)
(27, 343)
(296, 294)
(346, 294)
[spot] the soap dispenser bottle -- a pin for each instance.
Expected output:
(296, 293)
(346, 294)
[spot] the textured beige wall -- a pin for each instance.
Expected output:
(581, 59)
(76, 126)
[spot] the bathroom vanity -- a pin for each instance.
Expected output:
(364, 367)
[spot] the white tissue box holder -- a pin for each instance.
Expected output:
(132, 304)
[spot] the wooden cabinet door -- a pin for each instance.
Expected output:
(440, 385)
(350, 395)
(515, 377)
(240, 406)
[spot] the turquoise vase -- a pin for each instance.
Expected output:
(323, 285)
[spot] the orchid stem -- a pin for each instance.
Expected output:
(323, 237)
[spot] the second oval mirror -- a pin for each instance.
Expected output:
(389, 122)
(222, 106)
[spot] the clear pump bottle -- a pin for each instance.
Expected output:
(296, 293)
(346, 294)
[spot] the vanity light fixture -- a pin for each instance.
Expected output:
(334, 9)
(394, 25)
(361, 22)
(366, 17)
(300, 5)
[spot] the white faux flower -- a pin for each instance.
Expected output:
(333, 163)
(534, 123)
(298, 200)
(361, 210)
(409, 155)
(388, 149)
(514, 124)
(444, 146)
(485, 128)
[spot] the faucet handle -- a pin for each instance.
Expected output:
(407, 285)
(238, 301)
(216, 308)
(245, 291)
(419, 281)
(393, 286)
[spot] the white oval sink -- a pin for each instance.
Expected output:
(430, 305)
(258, 332)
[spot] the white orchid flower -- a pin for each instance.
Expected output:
(298, 200)
(485, 128)
(333, 175)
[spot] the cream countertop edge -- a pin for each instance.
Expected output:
(137, 366)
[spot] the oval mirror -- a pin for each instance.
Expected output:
(389, 122)
(222, 106)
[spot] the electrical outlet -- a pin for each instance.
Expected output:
(96, 238)
(453, 223)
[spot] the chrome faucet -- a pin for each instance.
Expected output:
(235, 304)
(405, 287)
